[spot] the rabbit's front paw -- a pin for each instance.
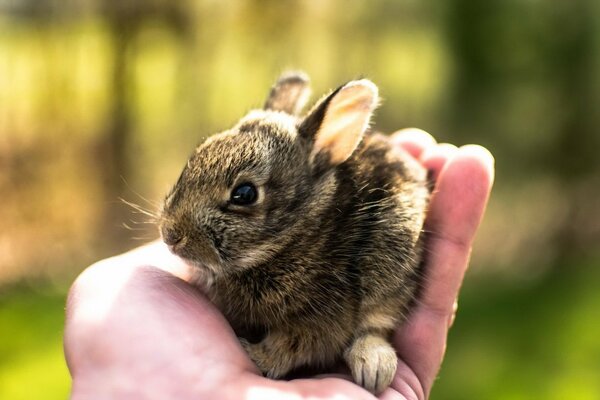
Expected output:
(273, 361)
(372, 361)
(257, 354)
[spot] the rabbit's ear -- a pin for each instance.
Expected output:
(336, 125)
(289, 94)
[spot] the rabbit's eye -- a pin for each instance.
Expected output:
(244, 194)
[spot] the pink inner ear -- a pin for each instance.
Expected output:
(346, 119)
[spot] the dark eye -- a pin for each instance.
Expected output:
(244, 194)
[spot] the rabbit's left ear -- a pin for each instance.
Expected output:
(289, 94)
(337, 124)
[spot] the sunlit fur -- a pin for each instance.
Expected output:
(325, 264)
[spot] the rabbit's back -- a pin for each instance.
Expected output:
(392, 199)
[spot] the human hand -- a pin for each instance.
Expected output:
(137, 329)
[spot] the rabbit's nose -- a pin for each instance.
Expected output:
(171, 236)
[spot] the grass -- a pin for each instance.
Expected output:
(32, 364)
(531, 340)
(536, 340)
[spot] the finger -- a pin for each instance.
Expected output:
(455, 212)
(159, 255)
(414, 141)
(405, 385)
(454, 215)
(435, 157)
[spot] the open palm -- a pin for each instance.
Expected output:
(137, 330)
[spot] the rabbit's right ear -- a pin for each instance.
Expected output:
(289, 94)
(337, 123)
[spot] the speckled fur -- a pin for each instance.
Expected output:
(326, 264)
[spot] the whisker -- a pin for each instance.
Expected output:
(153, 203)
(143, 222)
(143, 238)
(140, 209)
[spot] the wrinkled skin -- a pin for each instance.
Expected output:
(136, 329)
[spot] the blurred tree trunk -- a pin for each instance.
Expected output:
(488, 71)
(114, 156)
(575, 153)
(576, 149)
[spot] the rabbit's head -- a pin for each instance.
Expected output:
(245, 190)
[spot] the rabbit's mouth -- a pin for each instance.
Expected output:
(199, 250)
(211, 264)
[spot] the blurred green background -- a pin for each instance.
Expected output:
(101, 100)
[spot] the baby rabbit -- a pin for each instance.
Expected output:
(306, 231)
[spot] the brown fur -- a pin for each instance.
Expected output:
(324, 266)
